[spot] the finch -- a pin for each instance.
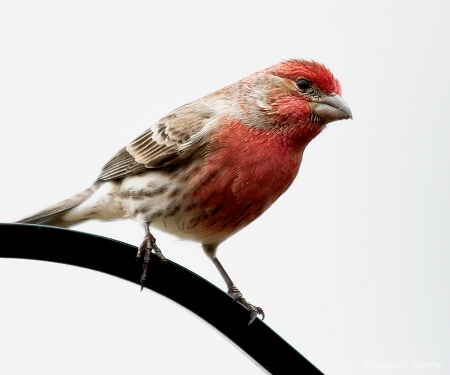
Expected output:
(212, 166)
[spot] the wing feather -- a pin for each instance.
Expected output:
(167, 142)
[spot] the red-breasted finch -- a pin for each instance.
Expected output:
(210, 167)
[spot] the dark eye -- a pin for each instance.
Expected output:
(303, 84)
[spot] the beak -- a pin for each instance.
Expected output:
(331, 108)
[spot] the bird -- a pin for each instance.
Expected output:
(210, 167)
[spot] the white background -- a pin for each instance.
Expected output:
(351, 265)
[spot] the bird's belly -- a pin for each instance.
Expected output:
(205, 208)
(209, 200)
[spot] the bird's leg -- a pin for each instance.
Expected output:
(234, 292)
(148, 244)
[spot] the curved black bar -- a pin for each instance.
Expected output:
(169, 279)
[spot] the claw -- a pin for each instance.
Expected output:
(148, 245)
(254, 310)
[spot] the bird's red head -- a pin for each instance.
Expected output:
(314, 72)
(304, 95)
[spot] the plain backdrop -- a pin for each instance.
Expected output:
(351, 264)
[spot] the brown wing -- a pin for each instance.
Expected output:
(174, 137)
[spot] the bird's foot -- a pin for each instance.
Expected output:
(254, 310)
(148, 245)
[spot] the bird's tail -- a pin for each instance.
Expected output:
(53, 215)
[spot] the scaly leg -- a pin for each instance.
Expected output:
(148, 244)
(233, 291)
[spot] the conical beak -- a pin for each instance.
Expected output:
(331, 108)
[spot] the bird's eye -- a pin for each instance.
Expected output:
(303, 84)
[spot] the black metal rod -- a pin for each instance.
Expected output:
(116, 258)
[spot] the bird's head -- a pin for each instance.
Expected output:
(297, 94)
(307, 86)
